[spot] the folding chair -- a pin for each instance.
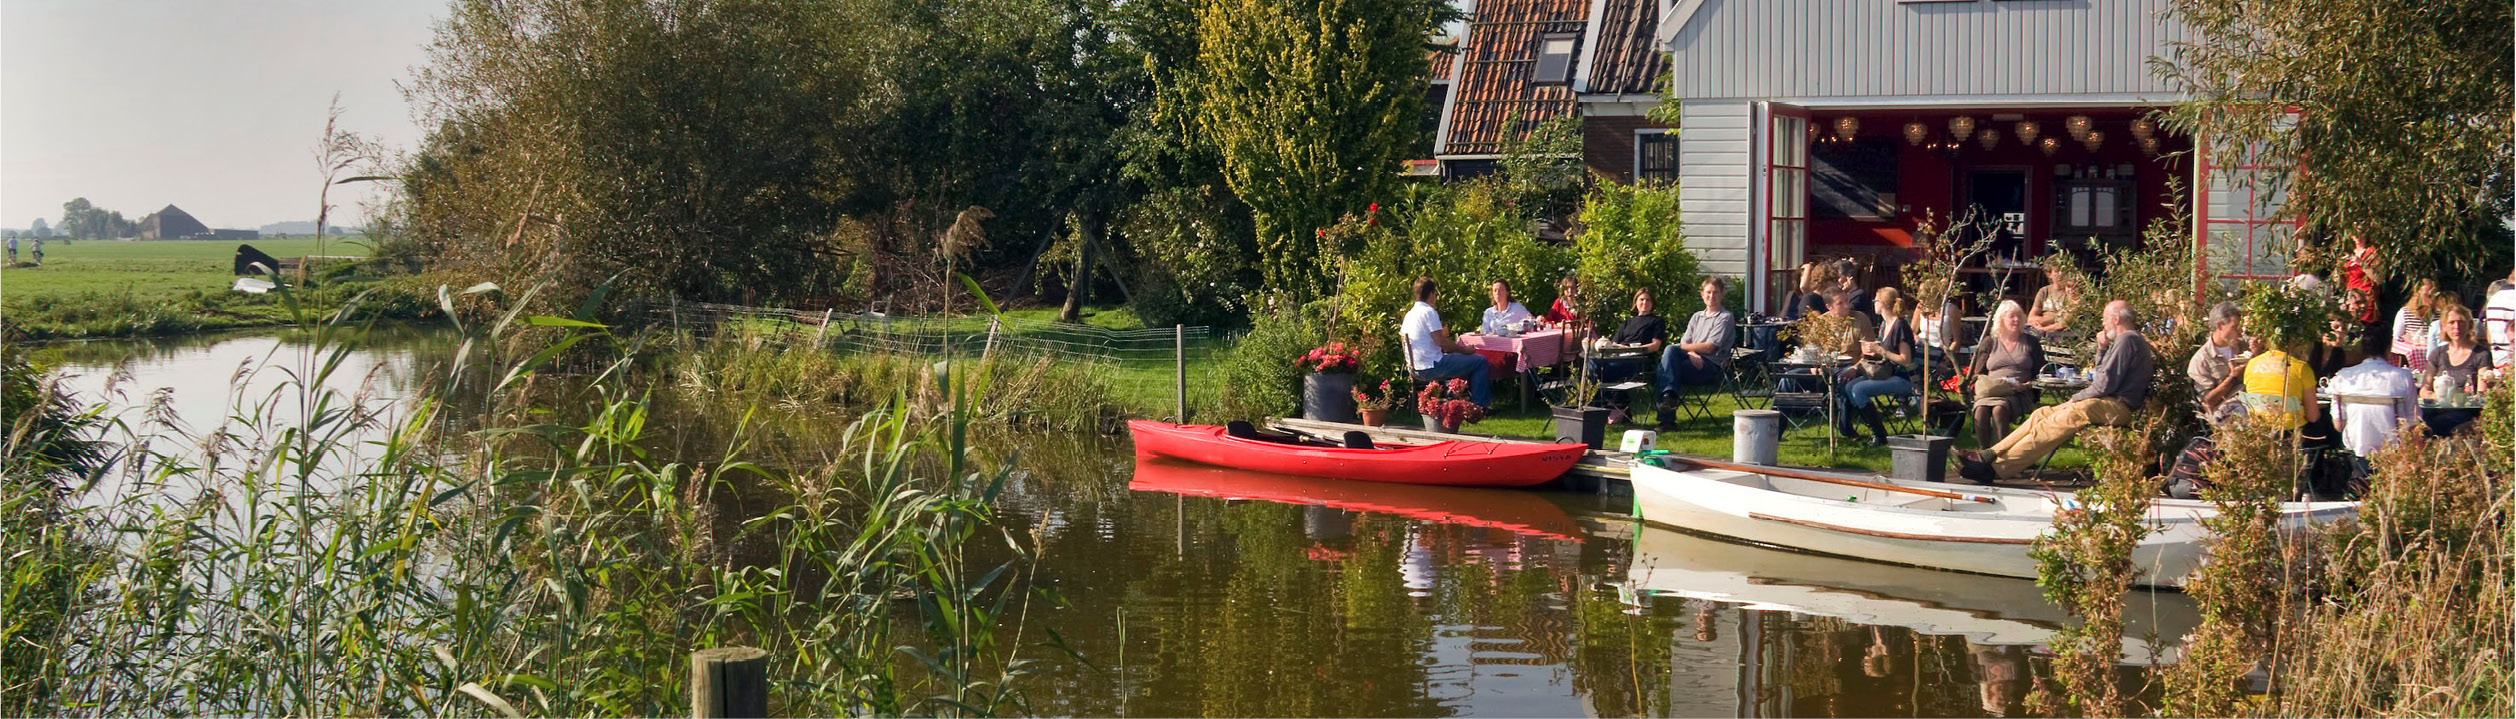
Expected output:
(1750, 382)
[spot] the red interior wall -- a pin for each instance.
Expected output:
(1930, 180)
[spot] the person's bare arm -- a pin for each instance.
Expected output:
(1443, 339)
(2226, 388)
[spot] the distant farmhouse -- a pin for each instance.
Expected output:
(173, 223)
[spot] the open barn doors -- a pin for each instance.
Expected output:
(1781, 201)
(2242, 227)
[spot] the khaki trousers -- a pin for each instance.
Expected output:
(2051, 427)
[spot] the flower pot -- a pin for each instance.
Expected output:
(1328, 397)
(1432, 424)
(1581, 425)
(1920, 457)
(1375, 417)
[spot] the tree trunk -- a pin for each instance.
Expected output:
(1081, 283)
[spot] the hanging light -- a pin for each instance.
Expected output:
(1915, 133)
(2050, 146)
(2027, 132)
(2149, 145)
(1812, 132)
(1961, 126)
(2144, 129)
(2078, 125)
(1847, 126)
(1989, 137)
(2093, 140)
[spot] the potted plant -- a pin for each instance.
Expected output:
(1577, 420)
(1445, 406)
(1374, 404)
(1328, 389)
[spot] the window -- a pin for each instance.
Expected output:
(1655, 156)
(1555, 54)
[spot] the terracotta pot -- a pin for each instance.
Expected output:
(1375, 417)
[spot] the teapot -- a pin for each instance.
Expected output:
(2448, 390)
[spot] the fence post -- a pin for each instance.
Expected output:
(1179, 368)
(993, 322)
(825, 327)
(729, 682)
(675, 308)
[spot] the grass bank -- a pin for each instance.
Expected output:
(132, 288)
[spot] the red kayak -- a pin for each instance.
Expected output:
(1458, 464)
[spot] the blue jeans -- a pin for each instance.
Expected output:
(1469, 367)
(1854, 399)
(1676, 370)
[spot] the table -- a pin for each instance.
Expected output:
(1532, 350)
(1824, 373)
(1543, 348)
(2056, 388)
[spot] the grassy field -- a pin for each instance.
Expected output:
(1710, 437)
(145, 268)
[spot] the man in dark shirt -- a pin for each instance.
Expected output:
(1644, 333)
(2118, 386)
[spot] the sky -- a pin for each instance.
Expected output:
(210, 105)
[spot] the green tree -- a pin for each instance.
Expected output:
(1310, 104)
(78, 218)
(2401, 118)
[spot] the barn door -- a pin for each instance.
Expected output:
(1785, 200)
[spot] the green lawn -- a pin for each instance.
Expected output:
(145, 268)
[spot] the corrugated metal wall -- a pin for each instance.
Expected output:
(1784, 49)
(1713, 160)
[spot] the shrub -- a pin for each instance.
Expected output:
(1464, 237)
(1631, 238)
(1260, 378)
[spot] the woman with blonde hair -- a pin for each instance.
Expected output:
(1885, 370)
(2004, 368)
(2460, 358)
(2412, 334)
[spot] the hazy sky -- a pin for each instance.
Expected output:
(210, 105)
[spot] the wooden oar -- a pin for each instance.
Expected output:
(1814, 477)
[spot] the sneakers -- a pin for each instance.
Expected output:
(1970, 465)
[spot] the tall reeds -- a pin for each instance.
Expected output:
(504, 542)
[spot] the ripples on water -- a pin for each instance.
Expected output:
(1204, 592)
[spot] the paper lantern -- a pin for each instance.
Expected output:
(1961, 126)
(1989, 137)
(2093, 140)
(2050, 146)
(2143, 129)
(1847, 126)
(2078, 126)
(1915, 133)
(2027, 132)
(2149, 145)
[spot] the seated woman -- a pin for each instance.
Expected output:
(2004, 367)
(1502, 318)
(2049, 314)
(1894, 355)
(1645, 334)
(1809, 298)
(2460, 360)
(1565, 315)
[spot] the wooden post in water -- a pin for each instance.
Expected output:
(1179, 368)
(729, 682)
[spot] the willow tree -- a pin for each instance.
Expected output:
(2401, 126)
(1311, 104)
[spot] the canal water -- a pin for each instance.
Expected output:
(1196, 591)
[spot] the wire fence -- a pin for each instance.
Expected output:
(1151, 371)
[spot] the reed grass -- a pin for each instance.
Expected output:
(504, 543)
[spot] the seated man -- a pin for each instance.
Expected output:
(1433, 354)
(2213, 368)
(2372, 397)
(1700, 355)
(2118, 386)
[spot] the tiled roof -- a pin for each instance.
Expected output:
(1442, 61)
(1623, 59)
(1494, 103)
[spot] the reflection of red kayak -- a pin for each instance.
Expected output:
(1463, 464)
(1509, 511)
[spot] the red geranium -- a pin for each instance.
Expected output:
(1332, 359)
(1448, 405)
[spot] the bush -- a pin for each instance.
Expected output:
(1631, 238)
(1464, 237)
(1260, 377)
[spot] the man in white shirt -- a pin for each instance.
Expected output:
(1433, 354)
(1504, 315)
(2372, 398)
(2498, 320)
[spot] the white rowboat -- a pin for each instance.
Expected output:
(1985, 530)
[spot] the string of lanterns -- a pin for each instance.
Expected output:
(2080, 128)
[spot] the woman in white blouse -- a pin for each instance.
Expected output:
(1505, 315)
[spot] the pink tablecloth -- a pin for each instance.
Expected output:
(1536, 349)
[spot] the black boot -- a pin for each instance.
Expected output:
(1878, 429)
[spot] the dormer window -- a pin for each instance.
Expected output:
(1555, 58)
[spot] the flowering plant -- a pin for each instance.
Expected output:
(1366, 398)
(1448, 404)
(1335, 358)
